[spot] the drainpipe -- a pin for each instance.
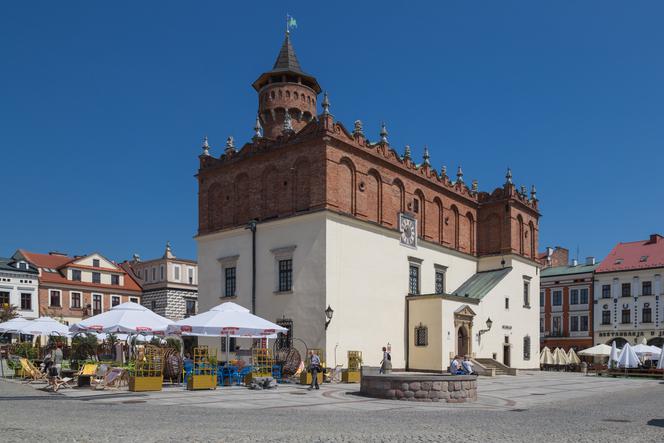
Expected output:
(252, 227)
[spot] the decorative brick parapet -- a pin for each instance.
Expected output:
(420, 387)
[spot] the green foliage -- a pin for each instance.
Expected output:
(26, 350)
(84, 347)
(174, 343)
(7, 312)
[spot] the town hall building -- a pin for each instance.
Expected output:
(354, 246)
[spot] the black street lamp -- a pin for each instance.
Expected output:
(329, 312)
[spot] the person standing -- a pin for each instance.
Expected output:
(386, 362)
(314, 367)
(57, 358)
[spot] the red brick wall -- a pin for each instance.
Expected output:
(86, 299)
(324, 166)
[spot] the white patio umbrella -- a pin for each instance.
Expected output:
(546, 358)
(560, 357)
(600, 350)
(127, 317)
(660, 363)
(628, 358)
(226, 320)
(45, 326)
(573, 358)
(613, 355)
(646, 351)
(12, 326)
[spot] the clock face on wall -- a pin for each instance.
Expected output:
(408, 228)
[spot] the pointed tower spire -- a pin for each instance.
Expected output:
(523, 190)
(257, 127)
(475, 186)
(508, 176)
(533, 193)
(206, 146)
(286, 86)
(459, 174)
(357, 129)
(426, 156)
(406, 153)
(326, 104)
(230, 145)
(168, 253)
(443, 171)
(383, 133)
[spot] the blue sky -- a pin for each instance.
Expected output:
(103, 105)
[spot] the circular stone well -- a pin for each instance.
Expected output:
(420, 387)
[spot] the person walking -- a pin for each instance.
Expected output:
(314, 367)
(386, 362)
(57, 358)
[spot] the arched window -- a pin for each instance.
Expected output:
(455, 216)
(471, 233)
(533, 246)
(519, 220)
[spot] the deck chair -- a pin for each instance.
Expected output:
(56, 382)
(101, 372)
(113, 379)
(86, 373)
(31, 372)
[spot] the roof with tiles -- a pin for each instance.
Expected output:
(643, 254)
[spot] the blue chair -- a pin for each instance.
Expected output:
(276, 373)
(220, 376)
(242, 374)
(188, 369)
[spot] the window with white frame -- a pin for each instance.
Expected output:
(583, 296)
(556, 297)
(75, 300)
(583, 323)
(229, 275)
(556, 325)
(414, 275)
(176, 272)
(97, 300)
(439, 281)
(526, 291)
(541, 298)
(190, 274)
(55, 299)
(133, 299)
(574, 297)
(574, 323)
(161, 273)
(284, 265)
(115, 300)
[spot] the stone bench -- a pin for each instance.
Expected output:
(420, 387)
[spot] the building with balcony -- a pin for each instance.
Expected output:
(170, 284)
(628, 293)
(19, 284)
(566, 303)
(354, 246)
(72, 288)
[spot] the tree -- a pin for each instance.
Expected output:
(7, 312)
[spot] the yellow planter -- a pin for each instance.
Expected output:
(305, 378)
(196, 382)
(348, 376)
(140, 384)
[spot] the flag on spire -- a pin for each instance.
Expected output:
(291, 23)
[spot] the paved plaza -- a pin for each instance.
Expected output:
(530, 407)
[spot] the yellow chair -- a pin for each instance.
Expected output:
(31, 372)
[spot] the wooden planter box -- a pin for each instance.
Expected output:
(348, 376)
(140, 384)
(305, 378)
(196, 382)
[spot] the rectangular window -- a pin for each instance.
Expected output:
(115, 279)
(285, 275)
(414, 279)
(557, 298)
(133, 299)
(646, 288)
(176, 273)
(606, 317)
(190, 271)
(190, 308)
(230, 282)
(583, 296)
(154, 274)
(421, 336)
(626, 316)
(606, 291)
(4, 298)
(75, 300)
(76, 274)
(96, 277)
(440, 282)
(584, 323)
(526, 348)
(541, 324)
(26, 301)
(115, 300)
(526, 294)
(541, 298)
(507, 303)
(646, 315)
(231, 344)
(574, 324)
(96, 304)
(557, 325)
(574, 297)
(626, 290)
(161, 272)
(55, 299)
(95, 262)
(153, 305)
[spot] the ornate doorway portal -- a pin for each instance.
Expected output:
(463, 324)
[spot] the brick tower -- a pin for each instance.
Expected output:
(286, 89)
